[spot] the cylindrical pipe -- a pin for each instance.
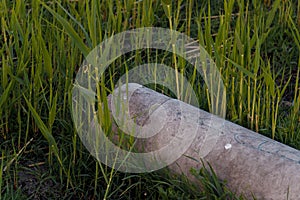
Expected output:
(252, 164)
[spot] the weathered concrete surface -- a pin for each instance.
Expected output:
(250, 162)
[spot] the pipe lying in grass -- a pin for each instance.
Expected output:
(250, 163)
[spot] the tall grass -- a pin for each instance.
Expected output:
(44, 43)
(255, 88)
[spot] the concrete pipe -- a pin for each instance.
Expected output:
(250, 163)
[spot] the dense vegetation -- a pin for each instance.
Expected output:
(255, 45)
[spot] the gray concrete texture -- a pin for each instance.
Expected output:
(252, 164)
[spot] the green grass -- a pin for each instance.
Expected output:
(254, 44)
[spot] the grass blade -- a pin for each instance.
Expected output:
(70, 30)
